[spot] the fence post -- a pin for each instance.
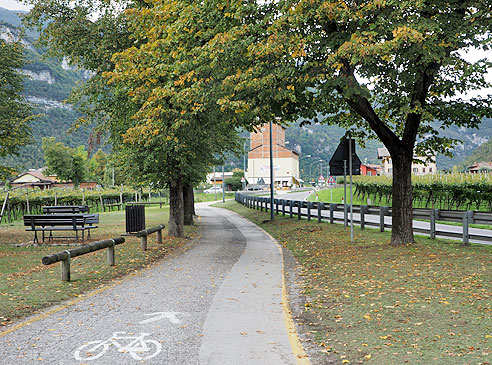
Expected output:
(266, 200)
(110, 254)
(276, 202)
(467, 219)
(382, 212)
(143, 242)
(434, 214)
(320, 206)
(65, 268)
(345, 214)
(309, 211)
(261, 204)
(299, 205)
(283, 207)
(363, 210)
(159, 236)
(291, 207)
(332, 210)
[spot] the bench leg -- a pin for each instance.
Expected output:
(36, 237)
(76, 236)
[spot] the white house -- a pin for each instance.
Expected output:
(423, 168)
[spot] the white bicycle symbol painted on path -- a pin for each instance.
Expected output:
(137, 347)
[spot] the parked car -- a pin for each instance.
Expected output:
(213, 190)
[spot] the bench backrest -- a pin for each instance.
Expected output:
(65, 209)
(47, 220)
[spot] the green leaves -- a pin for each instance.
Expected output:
(67, 163)
(15, 113)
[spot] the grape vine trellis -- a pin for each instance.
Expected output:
(17, 202)
(455, 191)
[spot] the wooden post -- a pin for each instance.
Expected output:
(276, 202)
(291, 204)
(320, 206)
(332, 210)
(309, 211)
(27, 200)
(110, 254)
(434, 213)
(467, 218)
(382, 212)
(143, 242)
(299, 213)
(101, 200)
(65, 268)
(363, 210)
(159, 237)
(261, 204)
(283, 207)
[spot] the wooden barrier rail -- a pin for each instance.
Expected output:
(144, 233)
(432, 215)
(66, 255)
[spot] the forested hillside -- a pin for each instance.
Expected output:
(48, 83)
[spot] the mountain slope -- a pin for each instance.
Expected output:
(48, 83)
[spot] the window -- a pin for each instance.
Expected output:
(415, 170)
(423, 169)
(430, 169)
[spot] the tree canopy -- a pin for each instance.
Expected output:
(386, 69)
(65, 162)
(15, 112)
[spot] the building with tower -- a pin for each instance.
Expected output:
(285, 161)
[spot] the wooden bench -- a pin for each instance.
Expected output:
(65, 209)
(61, 222)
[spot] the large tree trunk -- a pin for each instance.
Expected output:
(176, 209)
(402, 231)
(189, 204)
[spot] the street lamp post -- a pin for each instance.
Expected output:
(271, 172)
(311, 167)
(244, 163)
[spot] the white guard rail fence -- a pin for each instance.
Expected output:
(380, 216)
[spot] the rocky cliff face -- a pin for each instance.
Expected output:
(48, 84)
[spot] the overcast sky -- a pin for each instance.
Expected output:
(13, 5)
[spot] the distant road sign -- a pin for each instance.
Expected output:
(331, 180)
(321, 179)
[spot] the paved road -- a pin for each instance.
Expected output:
(218, 302)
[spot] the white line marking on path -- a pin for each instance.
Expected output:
(172, 316)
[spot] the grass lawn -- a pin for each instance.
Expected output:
(428, 303)
(335, 195)
(26, 285)
(207, 197)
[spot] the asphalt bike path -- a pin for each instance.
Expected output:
(218, 302)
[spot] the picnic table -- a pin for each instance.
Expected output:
(77, 222)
